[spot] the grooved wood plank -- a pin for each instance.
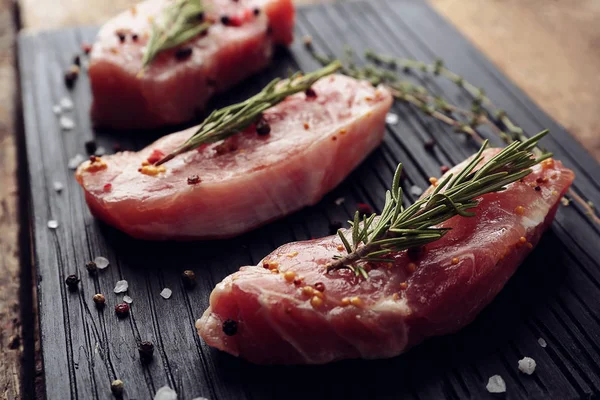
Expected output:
(553, 294)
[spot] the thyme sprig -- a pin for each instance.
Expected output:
(179, 22)
(398, 228)
(228, 121)
(483, 112)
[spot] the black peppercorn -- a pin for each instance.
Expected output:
(225, 20)
(310, 92)
(263, 128)
(121, 36)
(122, 310)
(134, 37)
(71, 76)
(100, 300)
(193, 180)
(429, 145)
(77, 60)
(230, 327)
(183, 53)
(91, 267)
(537, 188)
(90, 146)
(444, 169)
(320, 286)
(72, 282)
(146, 350)
(256, 11)
(116, 388)
(189, 279)
(334, 226)
(415, 253)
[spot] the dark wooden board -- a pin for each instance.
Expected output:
(554, 295)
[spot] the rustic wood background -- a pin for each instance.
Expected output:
(550, 49)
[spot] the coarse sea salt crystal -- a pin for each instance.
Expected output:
(75, 161)
(127, 299)
(121, 286)
(339, 201)
(496, 384)
(58, 187)
(66, 123)
(66, 103)
(527, 365)
(542, 342)
(100, 151)
(199, 398)
(166, 293)
(165, 393)
(101, 262)
(52, 224)
(415, 190)
(391, 119)
(56, 109)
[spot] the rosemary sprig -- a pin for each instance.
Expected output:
(230, 120)
(179, 22)
(398, 228)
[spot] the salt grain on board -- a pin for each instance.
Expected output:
(100, 151)
(66, 103)
(58, 187)
(52, 224)
(496, 384)
(56, 109)
(542, 342)
(121, 286)
(416, 191)
(101, 262)
(391, 119)
(66, 123)
(166, 293)
(339, 201)
(127, 299)
(75, 161)
(165, 393)
(527, 365)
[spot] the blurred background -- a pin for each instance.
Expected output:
(550, 48)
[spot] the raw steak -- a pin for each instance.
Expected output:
(177, 84)
(288, 310)
(247, 180)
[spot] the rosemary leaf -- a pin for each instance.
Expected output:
(230, 120)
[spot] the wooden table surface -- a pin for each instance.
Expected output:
(550, 49)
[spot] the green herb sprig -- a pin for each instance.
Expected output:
(230, 120)
(483, 112)
(179, 22)
(398, 228)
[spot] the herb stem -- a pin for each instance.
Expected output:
(439, 108)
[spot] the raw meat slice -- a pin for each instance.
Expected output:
(177, 84)
(247, 180)
(288, 310)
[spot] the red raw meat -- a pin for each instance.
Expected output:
(173, 88)
(247, 180)
(280, 316)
